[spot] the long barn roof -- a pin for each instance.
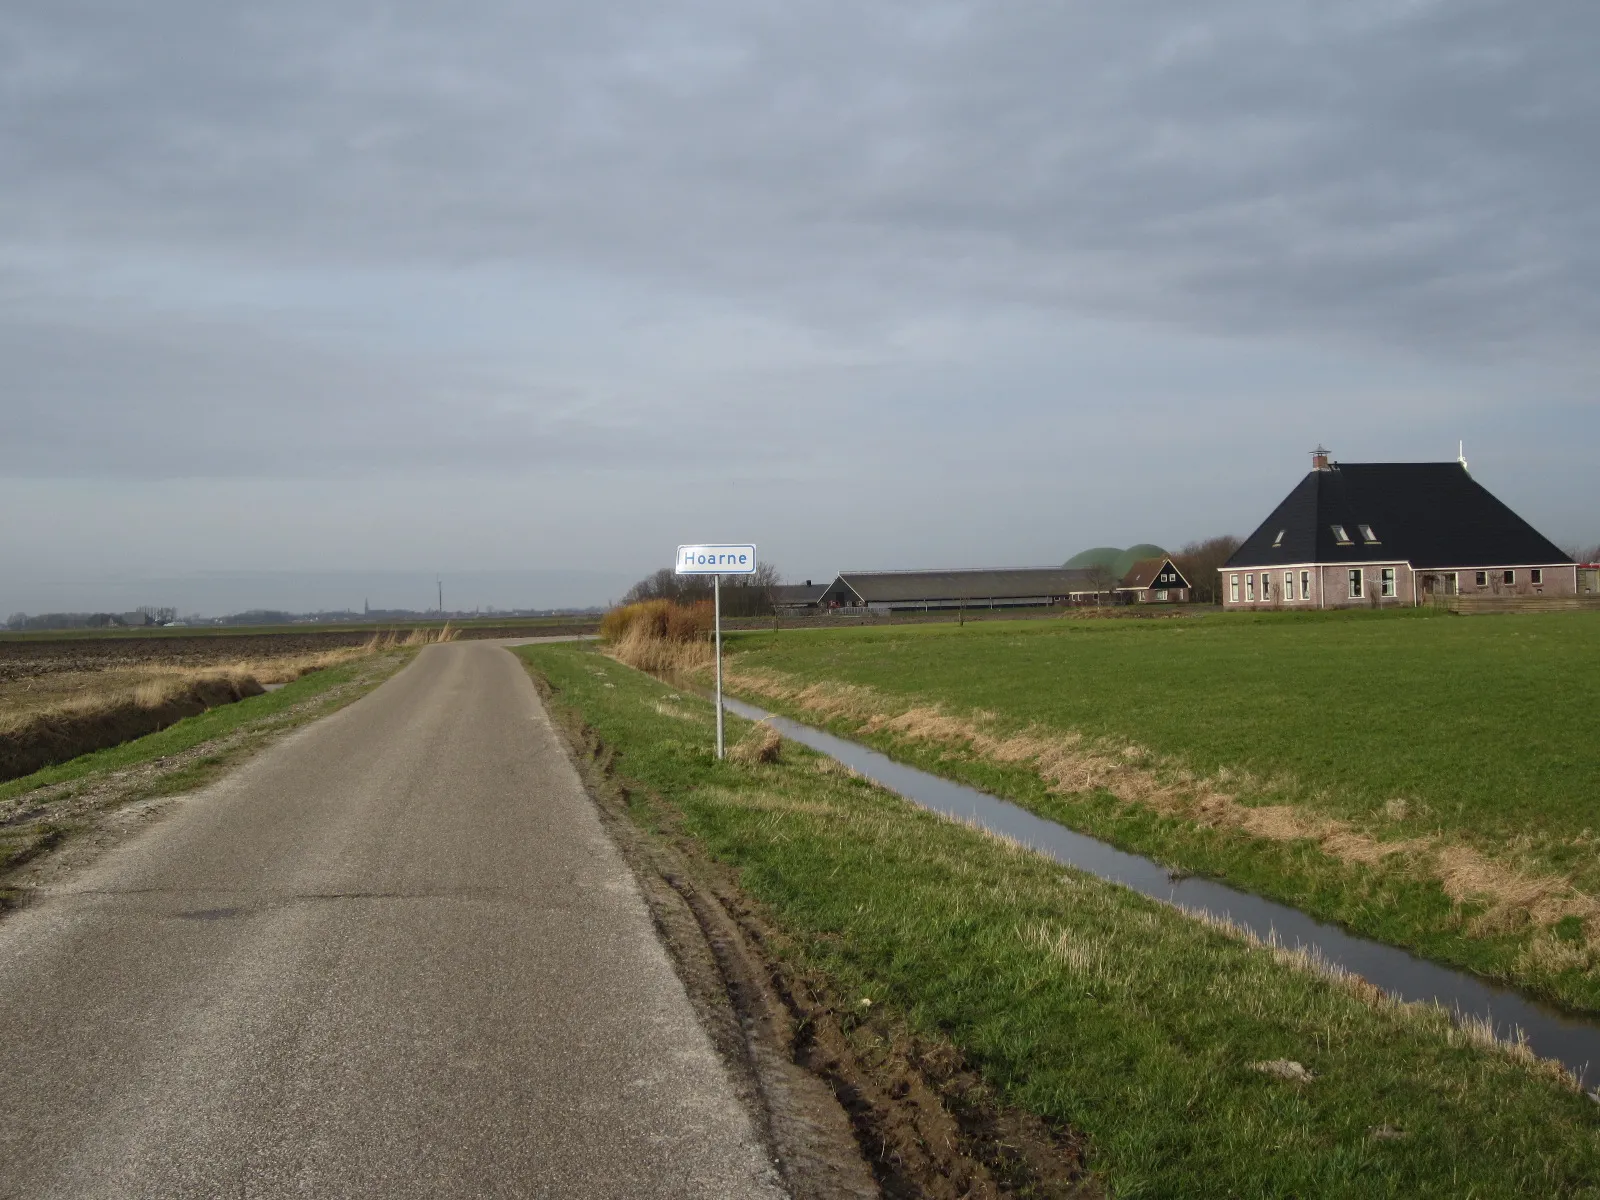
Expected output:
(888, 587)
(1427, 514)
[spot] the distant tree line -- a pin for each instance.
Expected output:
(742, 595)
(21, 622)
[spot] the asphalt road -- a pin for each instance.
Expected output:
(395, 955)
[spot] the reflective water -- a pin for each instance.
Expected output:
(1574, 1041)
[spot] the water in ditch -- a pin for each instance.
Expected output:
(1550, 1033)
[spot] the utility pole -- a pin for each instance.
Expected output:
(440, 582)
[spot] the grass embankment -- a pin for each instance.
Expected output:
(1424, 779)
(1194, 1063)
(54, 716)
(41, 810)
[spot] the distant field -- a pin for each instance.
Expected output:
(1424, 778)
(361, 630)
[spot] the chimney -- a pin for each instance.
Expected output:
(1319, 459)
(808, 583)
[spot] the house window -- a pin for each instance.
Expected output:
(1536, 575)
(1266, 587)
(1161, 593)
(1288, 585)
(1386, 582)
(1482, 579)
(1278, 541)
(1510, 578)
(1249, 589)
(1367, 535)
(1339, 535)
(1355, 583)
(1305, 585)
(1452, 583)
(1233, 588)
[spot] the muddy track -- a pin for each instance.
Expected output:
(853, 1103)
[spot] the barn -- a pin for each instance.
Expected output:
(928, 591)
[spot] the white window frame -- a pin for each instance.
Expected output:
(1357, 583)
(1161, 593)
(1480, 578)
(1367, 535)
(1266, 587)
(1508, 579)
(1233, 588)
(1536, 575)
(1249, 587)
(1452, 583)
(1305, 585)
(1288, 585)
(1278, 541)
(1388, 583)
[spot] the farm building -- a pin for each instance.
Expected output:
(1154, 581)
(1370, 534)
(900, 591)
(793, 599)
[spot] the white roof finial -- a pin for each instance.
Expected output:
(1461, 454)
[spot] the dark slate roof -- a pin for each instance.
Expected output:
(1427, 514)
(797, 593)
(1144, 572)
(889, 587)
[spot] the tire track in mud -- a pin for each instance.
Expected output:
(851, 1103)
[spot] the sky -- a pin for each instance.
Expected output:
(304, 305)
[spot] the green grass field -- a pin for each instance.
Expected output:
(1451, 763)
(1084, 1003)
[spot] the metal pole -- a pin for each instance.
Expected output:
(716, 587)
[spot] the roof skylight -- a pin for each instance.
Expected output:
(1278, 541)
(1340, 536)
(1367, 535)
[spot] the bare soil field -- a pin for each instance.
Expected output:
(36, 659)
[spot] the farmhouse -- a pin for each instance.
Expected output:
(1360, 534)
(927, 591)
(1153, 581)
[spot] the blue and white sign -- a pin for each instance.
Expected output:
(716, 560)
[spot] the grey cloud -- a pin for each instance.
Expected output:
(1415, 173)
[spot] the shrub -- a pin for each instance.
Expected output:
(659, 620)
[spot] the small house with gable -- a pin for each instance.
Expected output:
(1153, 581)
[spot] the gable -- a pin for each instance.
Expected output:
(1153, 573)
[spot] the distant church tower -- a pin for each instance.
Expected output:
(366, 609)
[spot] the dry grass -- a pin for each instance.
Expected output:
(79, 694)
(762, 744)
(641, 648)
(662, 620)
(1511, 896)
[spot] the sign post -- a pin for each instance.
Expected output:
(716, 561)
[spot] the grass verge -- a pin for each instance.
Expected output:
(1419, 780)
(1193, 1063)
(41, 811)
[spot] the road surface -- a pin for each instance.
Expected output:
(395, 955)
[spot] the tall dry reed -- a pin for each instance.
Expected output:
(659, 635)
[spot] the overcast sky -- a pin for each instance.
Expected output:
(302, 302)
